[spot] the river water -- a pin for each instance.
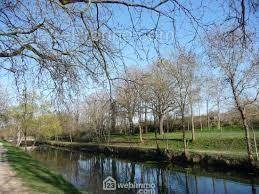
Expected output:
(88, 171)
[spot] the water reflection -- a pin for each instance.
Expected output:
(87, 172)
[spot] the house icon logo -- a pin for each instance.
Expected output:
(109, 184)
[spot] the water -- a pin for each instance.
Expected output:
(87, 172)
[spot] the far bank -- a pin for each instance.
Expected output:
(217, 160)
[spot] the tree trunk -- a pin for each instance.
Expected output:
(208, 118)
(200, 117)
(167, 125)
(219, 127)
(161, 124)
(131, 125)
(140, 133)
(154, 120)
(125, 125)
(255, 144)
(18, 137)
(25, 139)
(167, 130)
(244, 121)
(184, 136)
(156, 130)
(247, 135)
(70, 137)
(192, 124)
(146, 130)
(113, 115)
(140, 122)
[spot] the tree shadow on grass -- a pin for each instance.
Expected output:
(36, 174)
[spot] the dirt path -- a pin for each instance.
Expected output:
(9, 182)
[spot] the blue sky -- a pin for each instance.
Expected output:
(184, 34)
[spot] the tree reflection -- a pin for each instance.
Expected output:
(87, 172)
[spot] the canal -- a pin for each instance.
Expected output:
(88, 171)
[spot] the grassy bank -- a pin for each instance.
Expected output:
(35, 174)
(210, 141)
(216, 160)
(209, 145)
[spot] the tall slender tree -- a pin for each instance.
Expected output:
(238, 65)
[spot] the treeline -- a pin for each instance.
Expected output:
(30, 119)
(178, 93)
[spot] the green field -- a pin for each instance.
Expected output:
(209, 141)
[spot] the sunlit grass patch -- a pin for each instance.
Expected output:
(35, 174)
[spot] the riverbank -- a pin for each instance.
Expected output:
(87, 170)
(34, 174)
(9, 182)
(229, 141)
(216, 160)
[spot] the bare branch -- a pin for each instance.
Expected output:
(20, 32)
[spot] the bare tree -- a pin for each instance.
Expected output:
(239, 15)
(4, 105)
(127, 99)
(97, 115)
(208, 96)
(193, 96)
(238, 65)
(160, 93)
(130, 97)
(217, 94)
(182, 73)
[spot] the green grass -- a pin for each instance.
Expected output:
(211, 141)
(228, 142)
(35, 174)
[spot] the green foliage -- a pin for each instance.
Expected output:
(36, 119)
(49, 125)
(21, 117)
